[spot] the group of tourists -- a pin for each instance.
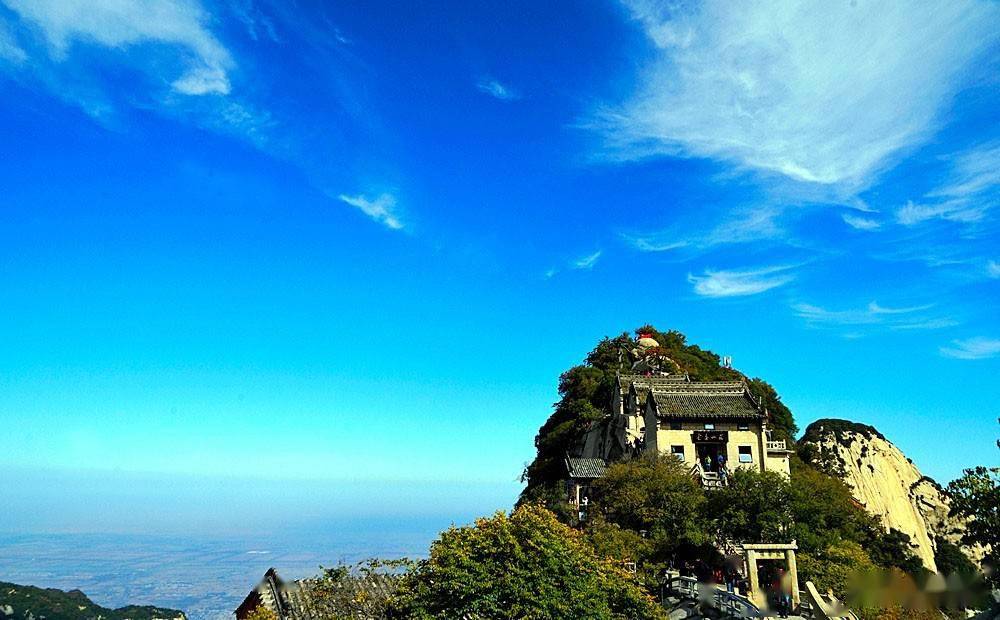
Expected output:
(727, 573)
(776, 581)
(718, 465)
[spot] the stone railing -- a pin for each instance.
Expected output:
(775, 446)
(728, 603)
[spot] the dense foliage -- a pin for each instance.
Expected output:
(523, 565)
(52, 604)
(976, 497)
(754, 508)
(650, 511)
(836, 567)
(950, 560)
(362, 591)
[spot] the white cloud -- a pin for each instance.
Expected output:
(958, 210)
(654, 243)
(860, 223)
(739, 283)
(496, 89)
(993, 269)
(965, 194)
(875, 309)
(587, 262)
(9, 49)
(810, 90)
(973, 172)
(904, 318)
(972, 349)
(121, 23)
(740, 226)
(927, 324)
(381, 209)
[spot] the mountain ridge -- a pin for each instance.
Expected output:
(21, 602)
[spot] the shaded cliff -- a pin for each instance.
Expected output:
(885, 482)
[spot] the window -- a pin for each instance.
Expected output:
(677, 451)
(743, 426)
(709, 426)
(746, 454)
(675, 426)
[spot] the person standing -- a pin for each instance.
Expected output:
(786, 592)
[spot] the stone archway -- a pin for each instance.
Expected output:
(771, 551)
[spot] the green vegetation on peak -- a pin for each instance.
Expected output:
(52, 604)
(816, 430)
(585, 396)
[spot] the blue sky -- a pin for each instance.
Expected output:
(358, 242)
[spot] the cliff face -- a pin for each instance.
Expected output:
(885, 482)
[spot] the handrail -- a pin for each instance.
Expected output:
(777, 445)
(728, 603)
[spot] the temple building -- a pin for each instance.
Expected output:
(696, 421)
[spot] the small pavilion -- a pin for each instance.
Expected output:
(753, 553)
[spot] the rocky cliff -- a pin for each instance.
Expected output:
(885, 482)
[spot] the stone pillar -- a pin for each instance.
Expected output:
(793, 571)
(752, 576)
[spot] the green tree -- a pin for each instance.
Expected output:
(781, 418)
(835, 568)
(754, 508)
(951, 560)
(354, 592)
(262, 613)
(824, 514)
(648, 510)
(976, 497)
(653, 494)
(523, 565)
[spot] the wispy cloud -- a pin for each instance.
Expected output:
(740, 283)
(860, 223)
(739, 226)
(588, 261)
(904, 318)
(965, 194)
(993, 269)
(498, 90)
(973, 172)
(180, 24)
(972, 349)
(258, 24)
(9, 49)
(381, 209)
(951, 210)
(809, 91)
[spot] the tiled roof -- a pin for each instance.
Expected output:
(644, 382)
(586, 468)
(705, 403)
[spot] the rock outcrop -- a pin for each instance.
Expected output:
(885, 482)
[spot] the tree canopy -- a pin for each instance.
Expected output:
(525, 565)
(976, 497)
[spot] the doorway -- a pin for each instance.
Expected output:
(711, 451)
